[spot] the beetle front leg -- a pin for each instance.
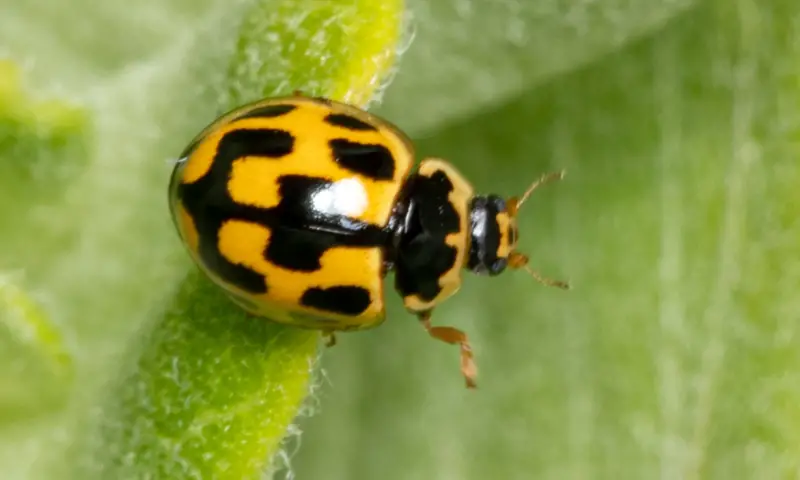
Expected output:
(453, 336)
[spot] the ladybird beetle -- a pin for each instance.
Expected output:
(298, 207)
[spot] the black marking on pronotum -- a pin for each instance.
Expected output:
(348, 121)
(423, 255)
(346, 300)
(372, 161)
(268, 111)
(254, 143)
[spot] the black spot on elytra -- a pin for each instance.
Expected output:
(300, 234)
(347, 300)
(269, 143)
(268, 111)
(297, 244)
(297, 210)
(373, 161)
(209, 204)
(349, 122)
(298, 250)
(232, 273)
(423, 255)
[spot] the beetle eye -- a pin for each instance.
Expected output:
(498, 266)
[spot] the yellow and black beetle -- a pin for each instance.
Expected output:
(298, 207)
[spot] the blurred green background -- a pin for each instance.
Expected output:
(675, 356)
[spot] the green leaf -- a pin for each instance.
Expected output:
(210, 395)
(346, 42)
(43, 149)
(472, 54)
(72, 46)
(35, 366)
(210, 392)
(676, 353)
(674, 356)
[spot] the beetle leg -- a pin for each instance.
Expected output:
(453, 336)
(330, 338)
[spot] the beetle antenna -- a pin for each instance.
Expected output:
(518, 260)
(515, 203)
(547, 281)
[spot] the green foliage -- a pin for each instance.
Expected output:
(171, 379)
(675, 355)
(210, 395)
(44, 146)
(32, 347)
(345, 41)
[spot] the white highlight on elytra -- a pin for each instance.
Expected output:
(345, 197)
